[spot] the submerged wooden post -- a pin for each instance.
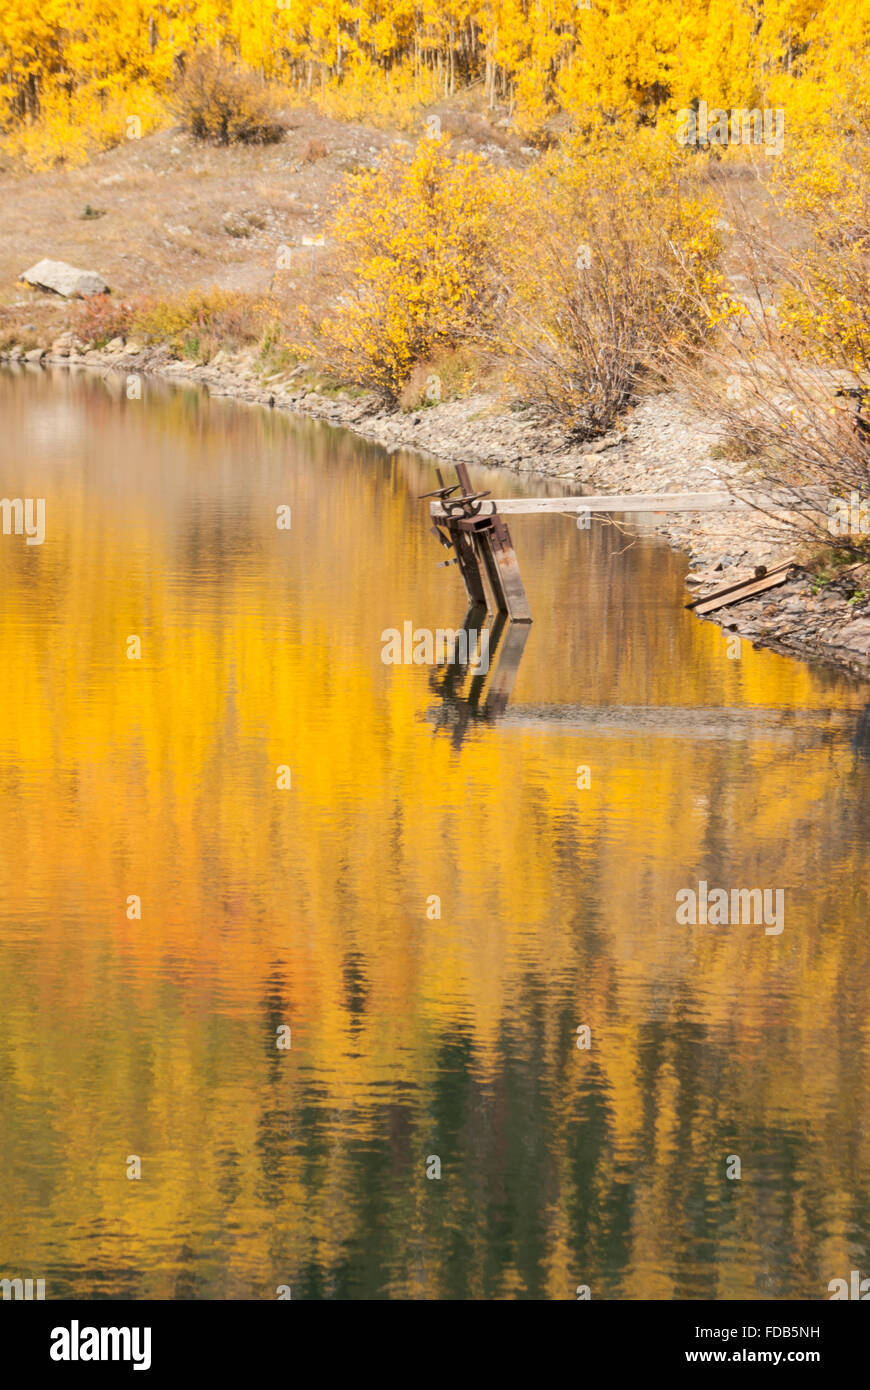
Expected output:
(482, 545)
(492, 540)
(466, 558)
(503, 569)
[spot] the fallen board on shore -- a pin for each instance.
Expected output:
(743, 588)
(750, 589)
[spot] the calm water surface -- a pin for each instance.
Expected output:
(413, 1036)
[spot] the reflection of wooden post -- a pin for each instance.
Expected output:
(507, 662)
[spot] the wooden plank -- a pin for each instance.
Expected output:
(502, 551)
(652, 502)
(469, 566)
(730, 588)
(483, 544)
(788, 499)
(754, 586)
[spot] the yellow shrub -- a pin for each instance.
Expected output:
(413, 247)
(791, 377)
(71, 129)
(448, 375)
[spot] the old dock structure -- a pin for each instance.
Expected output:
(482, 545)
(472, 525)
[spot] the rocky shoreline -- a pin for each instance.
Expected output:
(661, 446)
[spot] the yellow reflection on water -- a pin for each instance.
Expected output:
(412, 1035)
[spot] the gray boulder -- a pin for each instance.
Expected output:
(63, 279)
(856, 635)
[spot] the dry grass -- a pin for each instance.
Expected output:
(605, 261)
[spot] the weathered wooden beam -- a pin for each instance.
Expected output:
(747, 590)
(469, 566)
(721, 593)
(791, 499)
(503, 570)
(487, 559)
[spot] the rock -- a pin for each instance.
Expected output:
(114, 345)
(35, 355)
(66, 280)
(132, 349)
(856, 636)
(597, 446)
(16, 353)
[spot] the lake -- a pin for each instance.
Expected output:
(295, 944)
